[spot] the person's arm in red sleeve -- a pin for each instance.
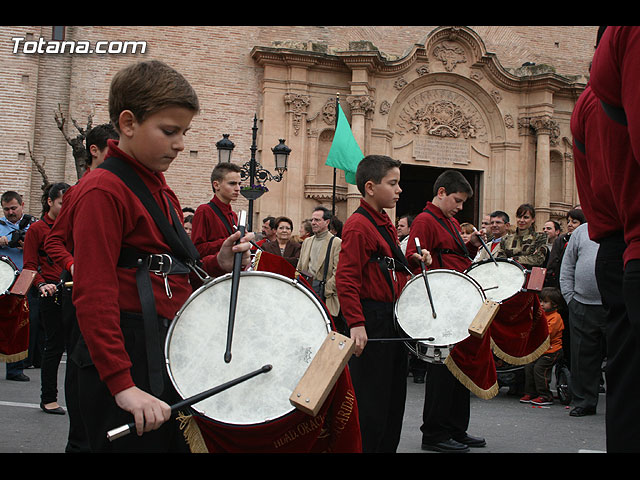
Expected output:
(419, 229)
(629, 52)
(349, 276)
(30, 257)
(97, 236)
(55, 244)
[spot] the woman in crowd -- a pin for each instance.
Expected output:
(35, 258)
(284, 245)
(525, 246)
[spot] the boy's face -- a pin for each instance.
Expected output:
(158, 140)
(228, 189)
(452, 203)
(386, 193)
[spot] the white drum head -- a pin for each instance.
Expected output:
(499, 282)
(456, 300)
(7, 275)
(278, 322)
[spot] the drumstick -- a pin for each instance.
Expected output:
(198, 397)
(400, 339)
(235, 281)
(424, 275)
(485, 246)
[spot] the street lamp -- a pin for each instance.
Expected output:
(252, 169)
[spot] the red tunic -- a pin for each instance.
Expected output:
(208, 232)
(105, 217)
(592, 179)
(615, 76)
(433, 237)
(34, 242)
(357, 277)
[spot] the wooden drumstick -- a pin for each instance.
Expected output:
(198, 397)
(424, 275)
(235, 281)
(485, 246)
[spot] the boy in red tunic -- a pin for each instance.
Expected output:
(367, 286)
(152, 106)
(213, 222)
(446, 407)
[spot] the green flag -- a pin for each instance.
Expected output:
(345, 153)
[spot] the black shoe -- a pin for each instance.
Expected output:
(56, 411)
(21, 377)
(473, 442)
(448, 446)
(582, 412)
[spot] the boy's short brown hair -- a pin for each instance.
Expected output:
(220, 170)
(147, 87)
(374, 168)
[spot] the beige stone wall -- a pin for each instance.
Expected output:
(233, 87)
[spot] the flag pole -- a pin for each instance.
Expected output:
(333, 196)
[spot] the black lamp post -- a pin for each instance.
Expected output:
(252, 169)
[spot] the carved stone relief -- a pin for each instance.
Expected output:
(450, 55)
(298, 103)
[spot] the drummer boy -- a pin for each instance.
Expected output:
(367, 285)
(152, 106)
(447, 408)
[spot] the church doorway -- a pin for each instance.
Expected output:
(417, 182)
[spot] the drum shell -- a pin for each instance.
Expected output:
(456, 298)
(278, 322)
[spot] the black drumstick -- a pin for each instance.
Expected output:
(424, 275)
(198, 397)
(401, 339)
(485, 246)
(235, 281)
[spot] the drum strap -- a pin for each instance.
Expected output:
(397, 263)
(617, 114)
(456, 237)
(180, 245)
(225, 220)
(321, 283)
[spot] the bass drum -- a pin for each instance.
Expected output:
(8, 274)
(500, 281)
(278, 322)
(457, 298)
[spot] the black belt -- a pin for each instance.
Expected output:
(617, 114)
(145, 264)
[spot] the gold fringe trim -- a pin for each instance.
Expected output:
(533, 356)
(192, 433)
(14, 357)
(466, 381)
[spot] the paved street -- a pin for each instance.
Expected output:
(508, 425)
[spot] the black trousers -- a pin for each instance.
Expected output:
(446, 408)
(620, 291)
(77, 438)
(379, 379)
(54, 346)
(100, 411)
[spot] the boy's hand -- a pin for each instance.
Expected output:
(359, 336)
(149, 412)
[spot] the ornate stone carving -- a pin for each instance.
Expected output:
(400, 83)
(450, 55)
(508, 121)
(298, 103)
(385, 107)
(545, 125)
(422, 70)
(361, 103)
(441, 113)
(329, 111)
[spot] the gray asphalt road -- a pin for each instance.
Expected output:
(507, 425)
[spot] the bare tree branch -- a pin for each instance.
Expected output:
(80, 154)
(40, 167)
